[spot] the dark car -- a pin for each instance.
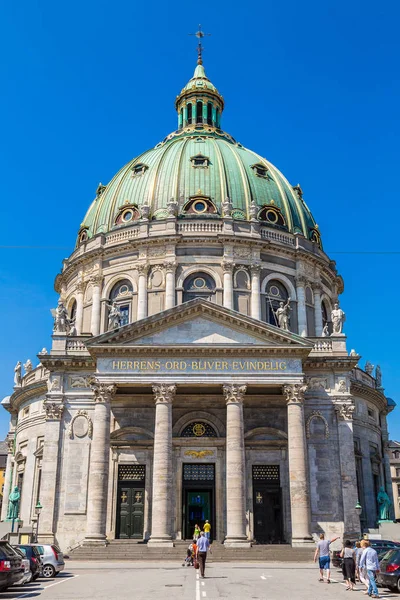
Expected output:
(389, 575)
(381, 546)
(32, 553)
(11, 568)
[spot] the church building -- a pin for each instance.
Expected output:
(199, 367)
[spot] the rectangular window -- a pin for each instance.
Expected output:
(397, 472)
(124, 310)
(131, 472)
(198, 472)
(266, 473)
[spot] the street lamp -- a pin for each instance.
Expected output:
(38, 510)
(358, 509)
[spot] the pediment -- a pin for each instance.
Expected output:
(198, 323)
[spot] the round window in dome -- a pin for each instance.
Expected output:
(123, 290)
(127, 215)
(273, 290)
(272, 216)
(199, 283)
(200, 206)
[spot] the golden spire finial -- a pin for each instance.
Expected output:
(200, 34)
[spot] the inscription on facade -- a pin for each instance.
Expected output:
(189, 365)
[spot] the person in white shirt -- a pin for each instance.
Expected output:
(369, 560)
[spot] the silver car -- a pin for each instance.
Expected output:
(52, 559)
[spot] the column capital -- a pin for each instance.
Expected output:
(255, 268)
(234, 394)
(53, 411)
(170, 266)
(96, 279)
(344, 411)
(317, 287)
(164, 393)
(103, 392)
(295, 393)
(301, 280)
(227, 266)
(143, 268)
(80, 287)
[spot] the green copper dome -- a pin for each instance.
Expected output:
(199, 162)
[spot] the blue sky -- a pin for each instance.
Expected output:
(312, 86)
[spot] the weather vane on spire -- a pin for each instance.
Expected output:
(200, 34)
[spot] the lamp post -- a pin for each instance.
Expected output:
(38, 510)
(358, 509)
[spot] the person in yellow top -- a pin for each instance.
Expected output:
(207, 529)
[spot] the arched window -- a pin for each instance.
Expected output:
(275, 293)
(325, 315)
(189, 114)
(121, 293)
(310, 312)
(209, 113)
(72, 311)
(241, 294)
(199, 112)
(199, 429)
(199, 285)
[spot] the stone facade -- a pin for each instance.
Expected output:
(394, 454)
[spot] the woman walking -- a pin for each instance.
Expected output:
(349, 565)
(196, 534)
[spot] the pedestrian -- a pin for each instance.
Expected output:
(370, 561)
(362, 570)
(194, 551)
(324, 557)
(203, 545)
(189, 556)
(207, 529)
(349, 564)
(196, 533)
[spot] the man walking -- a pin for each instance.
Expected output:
(207, 529)
(324, 557)
(203, 545)
(369, 560)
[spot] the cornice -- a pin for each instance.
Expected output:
(196, 350)
(67, 363)
(28, 392)
(357, 388)
(331, 362)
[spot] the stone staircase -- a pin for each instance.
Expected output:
(120, 550)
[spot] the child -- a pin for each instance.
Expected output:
(188, 562)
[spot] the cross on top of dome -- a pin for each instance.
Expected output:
(200, 34)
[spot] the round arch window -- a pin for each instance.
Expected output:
(272, 216)
(198, 285)
(127, 215)
(199, 429)
(200, 206)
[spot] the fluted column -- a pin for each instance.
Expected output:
(301, 306)
(170, 269)
(235, 468)
(96, 282)
(344, 412)
(53, 408)
(79, 307)
(255, 291)
(318, 310)
(99, 463)
(162, 467)
(298, 472)
(227, 267)
(142, 291)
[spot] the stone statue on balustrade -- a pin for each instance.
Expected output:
(61, 321)
(378, 377)
(338, 318)
(13, 505)
(114, 316)
(325, 331)
(17, 374)
(283, 315)
(384, 505)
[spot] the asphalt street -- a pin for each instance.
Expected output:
(151, 581)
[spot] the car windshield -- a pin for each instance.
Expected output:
(7, 551)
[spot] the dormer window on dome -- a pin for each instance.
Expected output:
(126, 214)
(260, 170)
(272, 215)
(83, 235)
(315, 236)
(200, 161)
(199, 205)
(139, 169)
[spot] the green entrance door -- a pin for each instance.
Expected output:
(130, 511)
(198, 509)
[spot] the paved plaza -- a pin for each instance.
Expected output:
(151, 581)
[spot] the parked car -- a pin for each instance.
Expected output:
(381, 546)
(389, 575)
(11, 569)
(33, 556)
(26, 576)
(52, 559)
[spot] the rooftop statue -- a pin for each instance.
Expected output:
(283, 314)
(17, 374)
(369, 367)
(61, 321)
(378, 376)
(338, 318)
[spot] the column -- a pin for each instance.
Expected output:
(298, 473)
(170, 269)
(80, 286)
(318, 310)
(162, 467)
(235, 468)
(96, 282)
(344, 412)
(142, 291)
(227, 267)
(386, 461)
(8, 475)
(301, 307)
(99, 463)
(53, 413)
(255, 291)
